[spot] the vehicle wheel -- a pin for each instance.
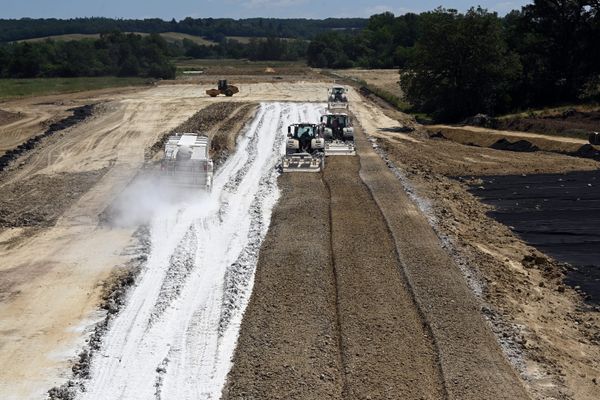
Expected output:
(229, 93)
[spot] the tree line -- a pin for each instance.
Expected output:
(212, 28)
(454, 65)
(263, 49)
(113, 53)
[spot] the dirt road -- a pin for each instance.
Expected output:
(289, 342)
(356, 296)
(50, 295)
(331, 315)
(408, 325)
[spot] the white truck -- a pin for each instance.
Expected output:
(187, 161)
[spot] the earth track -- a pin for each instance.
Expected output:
(331, 316)
(386, 345)
(472, 362)
(176, 334)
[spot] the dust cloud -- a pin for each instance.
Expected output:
(148, 196)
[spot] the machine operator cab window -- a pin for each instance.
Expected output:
(339, 120)
(338, 93)
(306, 132)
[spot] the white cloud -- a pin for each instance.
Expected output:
(505, 7)
(269, 3)
(378, 9)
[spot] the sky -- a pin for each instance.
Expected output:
(179, 9)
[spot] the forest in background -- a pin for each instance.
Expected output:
(452, 65)
(216, 29)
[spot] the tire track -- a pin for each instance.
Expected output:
(387, 350)
(472, 363)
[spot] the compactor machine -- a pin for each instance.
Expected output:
(337, 98)
(339, 134)
(304, 148)
(187, 163)
(223, 88)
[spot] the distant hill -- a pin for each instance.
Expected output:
(212, 29)
(170, 37)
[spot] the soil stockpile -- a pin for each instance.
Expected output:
(571, 122)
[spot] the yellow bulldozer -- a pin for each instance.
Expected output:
(223, 88)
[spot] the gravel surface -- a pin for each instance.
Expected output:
(387, 348)
(288, 344)
(473, 364)
(550, 336)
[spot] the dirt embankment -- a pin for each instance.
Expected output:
(542, 325)
(514, 141)
(571, 122)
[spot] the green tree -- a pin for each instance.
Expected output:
(461, 65)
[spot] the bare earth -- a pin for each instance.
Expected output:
(551, 338)
(385, 79)
(372, 282)
(50, 295)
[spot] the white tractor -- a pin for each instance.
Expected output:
(304, 148)
(337, 98)
(339, 134)
(186, 162)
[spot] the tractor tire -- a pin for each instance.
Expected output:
(229, 93)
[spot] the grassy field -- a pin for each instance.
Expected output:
(13, 88)
(244, 67)
(168, 36)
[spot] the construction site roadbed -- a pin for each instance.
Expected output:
(355, 307)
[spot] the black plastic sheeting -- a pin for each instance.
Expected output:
(557, 214)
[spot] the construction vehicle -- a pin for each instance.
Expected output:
(337, 98)
(186, 162)
(339, 134)
(304, 148)
(223, 88)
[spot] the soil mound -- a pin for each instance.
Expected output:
(518, 146)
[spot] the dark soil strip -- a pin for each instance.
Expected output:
(288, 344)
(40, 200)
(201, 122)
(473, 364)
(568, 123)
(79, 114)
(559, 214)
(387, 349)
